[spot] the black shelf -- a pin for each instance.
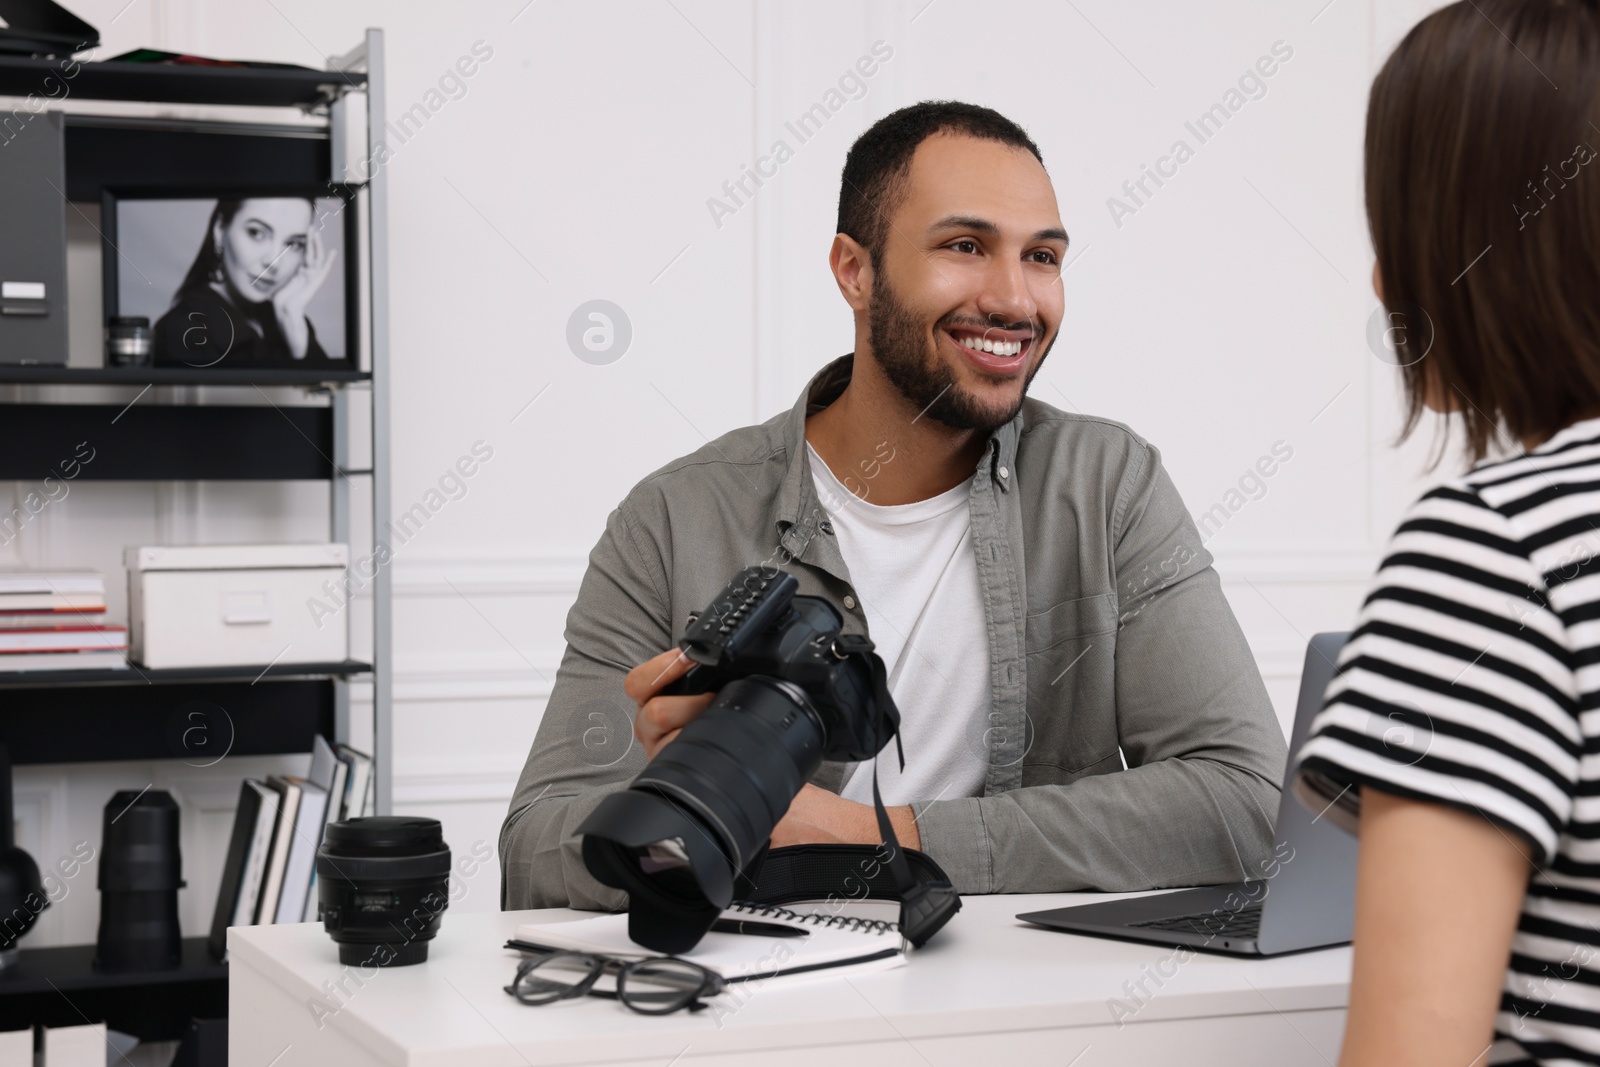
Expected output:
(124, 153)
(146, 441)
(60, 986)
(172, 84)
(136, 675)
(53, 375)
(160, 717)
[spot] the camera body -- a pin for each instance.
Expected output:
(799, 640)
(792, 690)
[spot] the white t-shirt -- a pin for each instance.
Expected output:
(916, 576)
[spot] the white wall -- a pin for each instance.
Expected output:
(1226, 314)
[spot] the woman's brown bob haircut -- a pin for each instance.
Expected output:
(1483, 194)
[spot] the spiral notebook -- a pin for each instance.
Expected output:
(834, 946)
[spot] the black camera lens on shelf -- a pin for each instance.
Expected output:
(22, 893)
(383, 882)
(141, 871)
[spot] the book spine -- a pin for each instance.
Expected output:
(244, 828)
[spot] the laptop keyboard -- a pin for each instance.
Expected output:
(1244, 923)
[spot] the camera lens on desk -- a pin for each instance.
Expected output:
(128, 341)
(383, 882)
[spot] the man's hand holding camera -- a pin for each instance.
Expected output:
(661, 717)
(816, 816)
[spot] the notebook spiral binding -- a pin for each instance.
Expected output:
(838, 922)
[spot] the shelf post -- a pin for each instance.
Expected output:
(383, 589)
(340, 532)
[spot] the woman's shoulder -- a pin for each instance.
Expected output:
(1567, 464)
(1455, 508)
(1526, 494)
(1542, 506)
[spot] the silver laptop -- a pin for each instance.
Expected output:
(1306, 899)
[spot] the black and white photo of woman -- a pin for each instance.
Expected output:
(244, 297)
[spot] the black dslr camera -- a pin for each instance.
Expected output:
(792, 691)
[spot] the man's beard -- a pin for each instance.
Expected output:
(900, 347)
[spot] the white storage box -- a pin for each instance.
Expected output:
(237, 605)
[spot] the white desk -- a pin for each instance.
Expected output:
(986, 990)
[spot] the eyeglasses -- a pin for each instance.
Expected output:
(655, 986)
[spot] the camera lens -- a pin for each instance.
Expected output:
(703, 809)
(128, 341)
(22, 893)
(383, 883)
(141, 871)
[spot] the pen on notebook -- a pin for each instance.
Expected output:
(741, 926)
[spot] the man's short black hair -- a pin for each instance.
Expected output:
(876, 169)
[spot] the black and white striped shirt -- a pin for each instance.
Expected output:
(1472, 679)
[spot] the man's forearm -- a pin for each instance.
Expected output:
(819, 817)
(1175, 822)
(542, 861)
(904, 821)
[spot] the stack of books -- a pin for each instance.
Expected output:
(56, 621)
(269, 875)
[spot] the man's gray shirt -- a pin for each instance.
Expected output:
(1109, 639)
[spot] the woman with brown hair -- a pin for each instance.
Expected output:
(1461, 735)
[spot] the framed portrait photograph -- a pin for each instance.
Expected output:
(263, 278)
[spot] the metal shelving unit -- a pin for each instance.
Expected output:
(82, 715)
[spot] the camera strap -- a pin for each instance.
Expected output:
(925, 906)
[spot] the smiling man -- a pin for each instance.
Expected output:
(1079, 708)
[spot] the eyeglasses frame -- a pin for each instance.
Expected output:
(711, 983)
